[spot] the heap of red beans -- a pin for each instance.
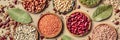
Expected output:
(5, 38)
(78, 23)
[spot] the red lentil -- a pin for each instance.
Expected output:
(50, 25)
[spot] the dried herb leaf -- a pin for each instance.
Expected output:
(65, 37)
(19, 15)
(102, 12)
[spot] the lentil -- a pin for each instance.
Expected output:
(49, 25)
(90, 3)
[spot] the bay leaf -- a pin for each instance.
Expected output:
(102, 12)
(19, 15)
(65, 37)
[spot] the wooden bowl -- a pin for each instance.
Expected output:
(54, 34)
(89, 27)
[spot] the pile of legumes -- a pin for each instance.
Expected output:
(63, 6)
(34, 6)
(49, 25)
(78, 23)
(7, 25)
(59, 19)
(104, 32)
(25, 32)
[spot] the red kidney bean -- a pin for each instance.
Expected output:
(41, 37)
(117, 11)
(77, 23)
(3, 38)
(72, 16)
(79, 6)
(11, 38)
